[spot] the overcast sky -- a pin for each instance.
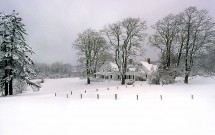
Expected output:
(53, 25)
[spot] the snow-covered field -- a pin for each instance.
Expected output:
(43, 113)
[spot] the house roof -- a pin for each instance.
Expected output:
(109, 65)
(146, 65)
(155, 67)
(149, 67)
(113, 65)
(131, 68)
(143, 68)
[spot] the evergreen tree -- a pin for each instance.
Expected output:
(15, 51)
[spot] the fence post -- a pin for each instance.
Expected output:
(81, 96)
(137, 97)
(67, 96)
(97, 90)
(115, 96)
(71, 92)
(85, 91)
(192, 97)
(161, 97)
(55, 94)
(97, 96)
(107, 88)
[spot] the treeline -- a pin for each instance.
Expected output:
(55, 70)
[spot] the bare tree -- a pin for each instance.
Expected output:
(165, 36)
(183, 37)
(90, 44)
(101, 58)
(198, 33)
(125, 38)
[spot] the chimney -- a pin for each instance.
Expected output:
(148, 60)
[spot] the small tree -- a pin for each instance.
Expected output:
(90, 45)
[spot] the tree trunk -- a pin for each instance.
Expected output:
(6, 75)
(11, 87)
(179, 55)
(88, 71)
(123, 80)
(88, 80)
(6, 89)
(186, 78)
(168, 57)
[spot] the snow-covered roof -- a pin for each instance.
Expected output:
(113, 65)
(142, 71)
(146, 65)
(155, 67)
(131, 68)
(109, 67)
(149, 67)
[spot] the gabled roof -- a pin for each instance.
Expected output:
(109, 65)
(131, 68)
(143, 68)
(148, 67)
(113, 65)
(155, 67)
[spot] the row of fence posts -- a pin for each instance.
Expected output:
(115, 96)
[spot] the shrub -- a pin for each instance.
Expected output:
(129, 82)
(154, 78)
(140, 78)
(19, 86)
(167, 79)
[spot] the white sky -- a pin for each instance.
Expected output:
(53, 25)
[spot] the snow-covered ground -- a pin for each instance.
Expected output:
(43, 113)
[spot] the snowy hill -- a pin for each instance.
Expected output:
(176, 109)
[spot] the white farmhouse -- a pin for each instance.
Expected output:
(139, 71)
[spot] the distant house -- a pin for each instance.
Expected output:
(138, 71)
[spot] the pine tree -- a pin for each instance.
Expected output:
(17, 64)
